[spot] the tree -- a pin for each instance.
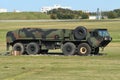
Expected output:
(85, 16)
(64, 14)
(118, 12)
(53, 16)
(112, 14)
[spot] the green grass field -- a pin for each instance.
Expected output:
(23, 16)
(49, 67)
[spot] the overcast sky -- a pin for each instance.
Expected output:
(36, 5)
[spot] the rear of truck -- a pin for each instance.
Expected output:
(35, 40)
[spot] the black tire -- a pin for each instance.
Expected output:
(96, 51)
(80, 33)
(19, 47)
(44, 51)
(32, 48)
(68, 48)
(84, 49)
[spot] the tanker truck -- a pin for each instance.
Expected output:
(79, 41)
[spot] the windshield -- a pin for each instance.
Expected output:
(103, 33)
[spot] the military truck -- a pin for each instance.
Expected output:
(80, 40)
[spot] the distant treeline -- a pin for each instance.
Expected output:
(113, 14)
(67, 14)
(57, 14)
(110, 14)
(73, 14)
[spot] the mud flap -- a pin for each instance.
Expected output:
(7, 48)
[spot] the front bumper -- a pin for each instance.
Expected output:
(105, 41)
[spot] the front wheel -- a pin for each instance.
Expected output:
(84, 49)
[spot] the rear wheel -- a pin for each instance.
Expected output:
(84, 49)
(68, 48)
(19, 47)
(32, 48)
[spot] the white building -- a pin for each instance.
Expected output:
(3, 10)
(17, 11)
(92, 17)
(95, 17)
(48, 8)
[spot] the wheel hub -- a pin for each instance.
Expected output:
(32, 48)
(69, 49)
(83, 50)
(18, 48)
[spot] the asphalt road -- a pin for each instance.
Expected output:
(64, 20)
(39, 20)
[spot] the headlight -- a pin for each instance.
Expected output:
(110, 39)
(105, 38)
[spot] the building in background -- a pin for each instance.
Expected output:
(98, 15)
(16, 11)
(92, 17)
(48, 8)
(3, 10)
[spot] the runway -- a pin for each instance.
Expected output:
(71, 20)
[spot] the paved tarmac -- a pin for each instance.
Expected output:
(38, 20)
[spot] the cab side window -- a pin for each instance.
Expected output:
(95, 34)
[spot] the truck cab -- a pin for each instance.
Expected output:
(102, 36)
(105, 36)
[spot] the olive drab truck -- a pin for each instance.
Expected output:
(71, 41)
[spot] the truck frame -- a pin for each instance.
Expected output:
(71, 41)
